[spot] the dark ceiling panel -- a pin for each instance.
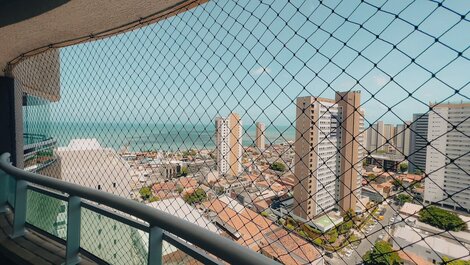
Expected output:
(12, 12)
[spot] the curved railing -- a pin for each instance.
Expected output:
(161, 226)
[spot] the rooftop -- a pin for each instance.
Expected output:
(441, 245)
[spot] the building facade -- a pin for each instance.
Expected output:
(381, 137)
(402, 138)
(229, 144)
(327, 158)
(260, 136)
(448, 158)
(418, 143)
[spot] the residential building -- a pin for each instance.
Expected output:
(229, 147)
(327, 159)
(381, 137)
(402, 138)
(418, 143)
(375, 139)
(260, 234)
(260, 137)
(432, 247)
(448, 161)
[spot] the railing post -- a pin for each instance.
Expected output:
(3, 191)
(19, 218)
(155, 246)
(73, 231)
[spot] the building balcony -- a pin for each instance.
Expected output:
(39, 152)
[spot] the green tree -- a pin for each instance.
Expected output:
(397, 183)
(145, 193)
(402, 198)
(154, 199)
(403, 167)
(345, 227)
(195, 197)
(448, 261)
(183, 172)
(382, 254)
(442, 219)
(371, 176)
(332, 236)
(278, 166)
(318, 242)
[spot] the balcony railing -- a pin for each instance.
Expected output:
(200, 244)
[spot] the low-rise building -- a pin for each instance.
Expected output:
(290, 249)
(430, 246)
(252, 230)
(326, 222)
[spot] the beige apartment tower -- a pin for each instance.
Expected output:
(260, 140)
(229, 147)
(352, 127)
(329, 147)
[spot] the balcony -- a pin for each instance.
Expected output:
(38, 152)
(196, 131)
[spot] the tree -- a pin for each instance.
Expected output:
(332, 236)
(345, 227)
(448, 261)
(382, 254)
(183, 172)
(318, 241)
(403, 167)
(402, 198)
(154, 199)
(145, 193)
(442, 219)
(397, 183)
(278, 166)
(196, 196)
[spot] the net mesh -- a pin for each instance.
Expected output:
(304, 130)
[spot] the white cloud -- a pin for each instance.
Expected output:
(381, 80)
(260, 70)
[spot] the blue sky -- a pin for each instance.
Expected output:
(256, 57)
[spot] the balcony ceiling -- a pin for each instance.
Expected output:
(26, 25)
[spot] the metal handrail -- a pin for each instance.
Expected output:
(220, 247)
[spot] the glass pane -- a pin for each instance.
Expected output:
(112, 241)
(175, 256)
(47, 213)
(11, 191)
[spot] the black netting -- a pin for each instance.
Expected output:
(308, 131)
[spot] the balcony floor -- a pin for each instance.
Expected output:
(33, 248)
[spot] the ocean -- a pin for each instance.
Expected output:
(160, 137)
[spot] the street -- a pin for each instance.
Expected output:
(368, 239)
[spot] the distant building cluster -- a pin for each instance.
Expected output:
(434, 144)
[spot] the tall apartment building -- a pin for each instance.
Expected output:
(260, 140)
(327, 159)
(375, 139)
(418, 142)
(447, 157)
(381, 137)
(229, 147)
(402, 138)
